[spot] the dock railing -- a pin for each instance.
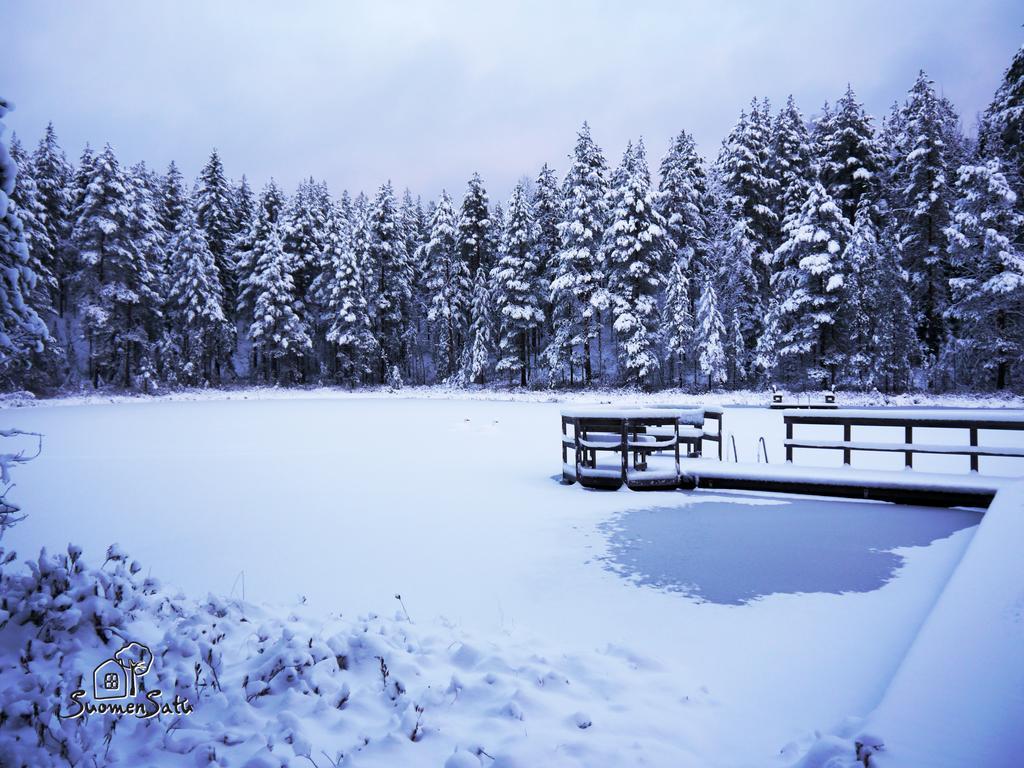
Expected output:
(971, 422)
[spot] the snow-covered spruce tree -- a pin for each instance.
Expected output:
(244, 207)
(736, 354)
(809, 287)
(547, 213)
(1001, 133)
(792, 161)
(682, 201)
(114, 281)
(749, 189)
(578, 289)
(41, 368)
(172, 200)
(731, 255)
(476, 357)
(53, 177)
(21, 329)
(764, 359)
(709, 337)
(677, 323)
(885, 339)
(347, 313)
(636, 244)
(245, 247)
(393, 276)
(926, 158)
(475, 235)
(986, 249)
(519, 293)
(448, 285)
(279, 337)
(195, 304)
(305, 233)
(215, 211)
(850, 156)
(415, 228)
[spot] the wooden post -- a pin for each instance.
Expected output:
(908, 438)
(846, 439)
(789, 436)
(625, 447)
(974, 444)
(677, 449)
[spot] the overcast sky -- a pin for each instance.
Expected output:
(424, 93)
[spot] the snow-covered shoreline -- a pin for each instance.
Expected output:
(611, 395)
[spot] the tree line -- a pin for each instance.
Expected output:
(830, 252)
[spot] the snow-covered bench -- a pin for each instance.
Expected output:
(639, 433)
(907, 420)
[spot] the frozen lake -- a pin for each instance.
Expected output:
(344, 502)
(734, 550)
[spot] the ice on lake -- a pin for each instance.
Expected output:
(734, 549)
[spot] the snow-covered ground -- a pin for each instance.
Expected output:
(343, 501)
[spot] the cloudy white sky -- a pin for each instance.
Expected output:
(424, 93)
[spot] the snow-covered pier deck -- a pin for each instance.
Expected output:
(640, 441)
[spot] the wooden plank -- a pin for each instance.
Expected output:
(847, 427)
(974, 442)
(918, 496)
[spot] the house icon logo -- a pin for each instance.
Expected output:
(116, 689)
(117, 678)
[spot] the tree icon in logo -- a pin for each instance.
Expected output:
(117, 678)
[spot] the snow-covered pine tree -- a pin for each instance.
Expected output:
(809, 287)
(792, 161)
(172, 201)
(578, 289)
(765, 357)
(850, 156)
(114, 280)
(709, 337)
(986, 249)
(884, 336)
(30, 209)
(393, 275)
(347, 313)
(149, 241)
(736, 351)
(246, 246)
(519, 292)
(475, 237)
(305, 230)
(681, 200)
(415, 228)
(731, 255)
(244, 208)
(476, 362)
(279, 336)
(21, 329)
(360, 223)
(677, 322)
(749, 189)
(448, 284)
(547, 212)
(635, 243)
(923, 177)
(195, 304)
(214, 208)
(1001, 133)
(53, 177)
